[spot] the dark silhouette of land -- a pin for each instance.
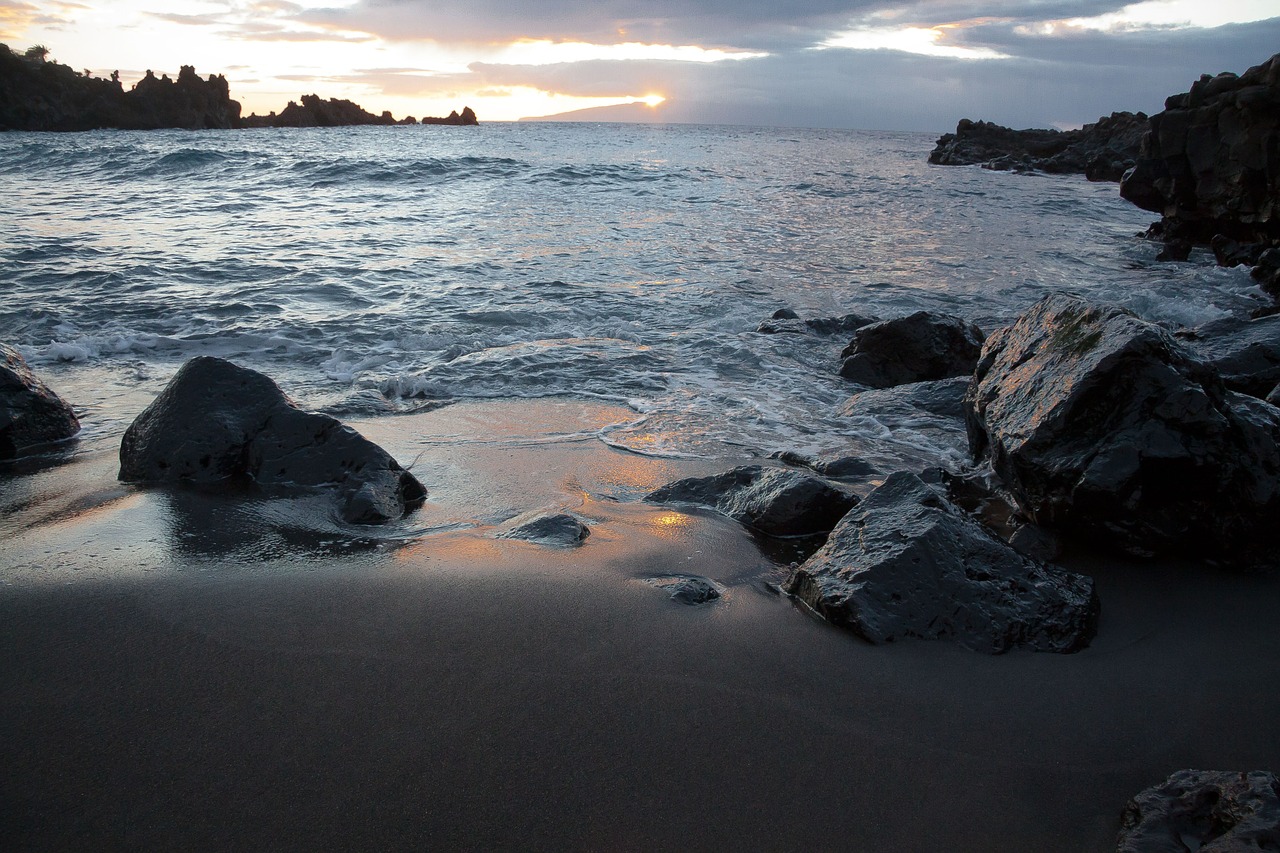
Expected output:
(39, 94)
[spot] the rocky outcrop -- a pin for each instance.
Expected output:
(786, 321)
(36, 94)
(31, 416)
(774, 501)
(1208, 810)
(1101, 151)
(560, 529)
(336, 112)
(216, 422)
(1102, 424)
(1210, 164)
(1246, 353)
(908, 563)
(921, 347)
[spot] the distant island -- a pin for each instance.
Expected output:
(39, 94)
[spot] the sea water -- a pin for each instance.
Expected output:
(381, 270)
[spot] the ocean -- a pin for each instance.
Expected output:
(375, 271)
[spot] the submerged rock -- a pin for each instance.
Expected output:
(786, 321)
(687, 589)
(908, 563)
(920, 347)
(1102, 424)
(216, 422)
(31, 416)
(1207, 810)
(774, 501)
(561, 529)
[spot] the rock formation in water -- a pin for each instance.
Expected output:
(1210, 163)
(1101, 151)
(216, 422)
(31, 416)
(786, 321)
(1104, 425)
(336, 112)
(37, 94)
(774, 501)
(546, 527)
(1207, 810)
(908, 563)
(921, 347)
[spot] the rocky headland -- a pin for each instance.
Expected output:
(37, 94)
(1101, 151)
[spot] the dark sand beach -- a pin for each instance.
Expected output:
(192, 671)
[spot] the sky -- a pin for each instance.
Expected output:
(868, 64)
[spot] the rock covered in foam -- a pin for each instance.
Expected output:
(31, 415)
(922, 346)
(774, 501)
(1103, 424)
(1206, 810)
(908, 563)
(216, 422)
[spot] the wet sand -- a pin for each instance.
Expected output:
(185, 671)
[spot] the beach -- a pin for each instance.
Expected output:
(192, 670)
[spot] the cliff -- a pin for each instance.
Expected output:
(36, 94)
(1101, 151)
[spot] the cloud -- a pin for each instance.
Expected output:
(17, 17)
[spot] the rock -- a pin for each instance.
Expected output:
(1208, 164)
(687, 589)
(1174, 249)
(1232, 253)
(1267, 272)
(1206, 810)
(1102, 424)
(1274, 397)
(908, 563)
(774, 501)
(922, 346)
(1101, 151)
(216, 422)
(547, 528)
(1246, 353)
(941, 397)
(785, 321)
(31, 416)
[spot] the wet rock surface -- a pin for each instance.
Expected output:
(687, 589)
(1101, 151)
(920, 347)
(786, 321)
(31, 416)
(908, 563)
(216, 422)
(1102, 424)
(1246, 353)
(1212, 811)
(774, 501)
(560, 529)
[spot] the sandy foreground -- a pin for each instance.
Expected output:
(191, 671)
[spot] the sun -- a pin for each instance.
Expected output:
(652, 100)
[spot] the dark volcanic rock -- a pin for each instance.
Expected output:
(313, 111)
(547, 528)
(215, 421)
(1103, 424)
(36, 94)
(785, 321)
(774, 501)
(1246, 353)
(31, 416)
(1101, 151)
(1210, 164)
(1267, 272)
(908, 563)
(922, 346)
(687, 589)
(1212, 811)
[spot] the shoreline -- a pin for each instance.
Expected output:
(193, 671)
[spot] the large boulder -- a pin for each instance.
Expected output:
(922, 346)
(1245, 352)
(774, 501)
(31, 416)
(1101, 151)
(908, 563)
(1102, 424)
(1212, 811)
(1209, 164)
(217, 422)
